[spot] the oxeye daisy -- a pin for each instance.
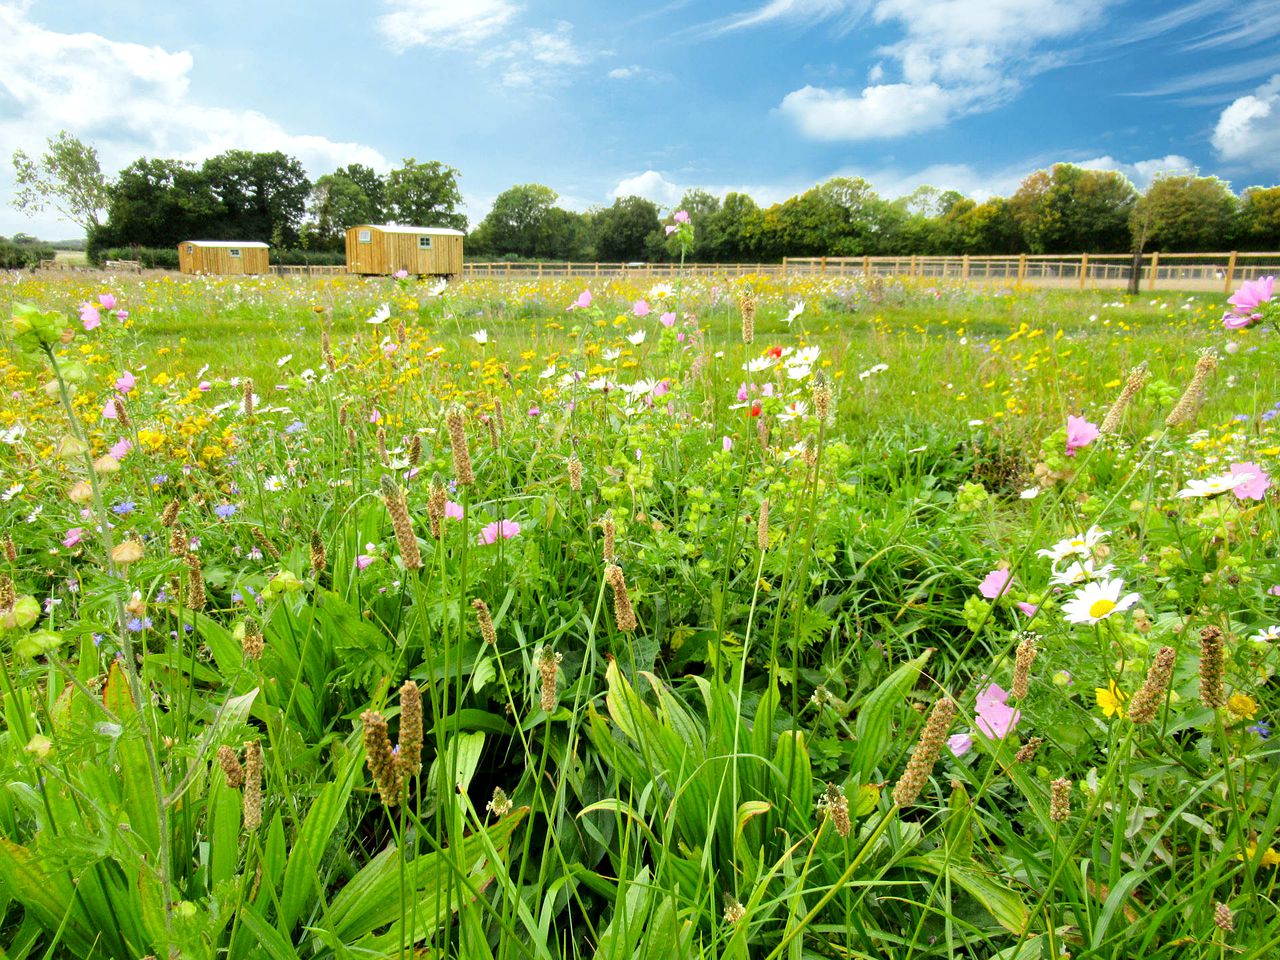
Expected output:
(1212, 486)
(1080, 571)
(1079, 545)
(1269, 635)
(1097, 601)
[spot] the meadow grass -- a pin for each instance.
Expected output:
(708, 648)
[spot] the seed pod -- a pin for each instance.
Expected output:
(381, 759)
(1060, 800)
(170, 514)
(610, 530)
(762, 526)
(1212, 691)
(246, 387)
(415, 450)
(926, 752)
(267, 546)
(456, 424)
(231, 768)
(575, 472)
(834, 805)
(252, 785)
(253, 643)
(10, 551)
(436, 502)
(409, 755)
(623, 614)
(407, 541)
(1027, 752)
(747, 307)
(485, 620)
(1147, 701)
(548, 671)
(319, 556)
(196, 597)
(1026, 656)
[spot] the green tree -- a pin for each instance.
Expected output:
(1259, 219)
(1185, 213)
(1072, 210)
(622, 232)
(339, 201)
(157, 203)
(261, 196)
(980, 228)
(425, 195)
(67, 177)
(518, 221)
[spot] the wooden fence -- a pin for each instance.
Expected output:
(1165, 271)
(308, 270)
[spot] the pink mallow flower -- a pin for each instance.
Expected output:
(74, 536)
(726, 444)
(453, 510)
(109, 411)
(641, 308)
(960, 743)
(583, 301)
(1080, 433)
(363, 560)
(120, 449)
(682, 216)
(1029, 609)
(1245, 302)
(107, 301)
(668, 319)
(996, 718)
(505, 529)
(1255, 488)
(126, 382)
(89, 316)
(671, 228)
(995, 583)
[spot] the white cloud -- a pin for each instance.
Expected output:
(1142, 172)
(651, 185)
(796, 11)
(879, 112)
(128, 100)
(955, 57)
(443, 23)
(540, 58)
(1248, 130)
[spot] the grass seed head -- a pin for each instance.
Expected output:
(409, 755)
(1060, 800)
(1150, 696)
(380, 757)
(926, 752)
(252, 785)
(485, 620)
(455, 421)
(232, 769)
(1213, 692)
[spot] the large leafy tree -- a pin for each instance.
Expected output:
(425, 195)
(519, 221)
(1185, 213)
(348, 196)
(1259, 219)
(1072, 210)
(261, 196)
(158, 203)
(67, 177)
(623, 231)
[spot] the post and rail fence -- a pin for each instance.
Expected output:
(1165, 271)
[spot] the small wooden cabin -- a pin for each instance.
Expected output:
(223, 258)
(385, 249)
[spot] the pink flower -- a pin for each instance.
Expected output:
(1245, 301)
(453, 510)
(363, 560)
(743, 393)
(662, 389)
(583, 301)
(1080, 433)
(506, 529)
(89, 316)
(726, 444)
(205, 386)
(1029, 609)
(995, 583)
(126, 382)
(768, 390)
(668, 319)
(960, 743)
(109, 410)
(535, 411)
(995, 717)
(1235, 321)
(682, 216)
(74, 536)
(1255, 488)
(1275, 590)
(671, 228)
(641, 308)
(375, 415)
(120, 449)
(400, 274)
(122, 315)
(107, 301)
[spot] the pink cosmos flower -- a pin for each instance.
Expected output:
(641, 308)
(363, 560)
(1255, 488)
(506, 529)
(1245, 302)
(743, 393)
(960, 743)
(682, 216)
(583, 301)
(120, 449)
(205, 386)
(726, 444)
(122, 315)
(535, 411)
(126, 382)
(1029, 609)
(453, 510)
(768, 390)
(107, 301)
(662, 389)
(1275, 590)
(74, 536)
(995, 583)
(400, 274)
(995, 717)
(375, 416)
(1080, 433)
(667, 319)
(89, 316)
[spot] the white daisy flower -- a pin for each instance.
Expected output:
(1269, 635)
(794, 411)
(481, 337)
(285, 359)
(13, 434)
(381, 315)
(1080, 545)
(806, 357)
(1096, 601)
(548, 372)
(12, 492)
(1212, 486)
(610, 355)
(757, 364)
(1080, 571)
(797, 308)
(635, 339)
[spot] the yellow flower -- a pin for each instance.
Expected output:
(1111, 700)
(1242, 705)
(1270, 858)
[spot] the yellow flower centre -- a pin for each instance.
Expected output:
(1100, 608)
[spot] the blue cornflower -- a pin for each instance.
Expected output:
(225, 510)
(296, 427)
(1261, 729)
(138, 624)
(124, 508)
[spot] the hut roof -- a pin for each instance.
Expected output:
(418, 231)
(253, 244)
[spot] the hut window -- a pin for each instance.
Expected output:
(191, 248)
(424, 243)
(366, 236)
(234, 252)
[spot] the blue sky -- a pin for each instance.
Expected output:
(603, 98)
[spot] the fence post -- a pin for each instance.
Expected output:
(866, 267)
(1022, 267)
(1084, 269)
(1155, 268)
(1231, 273)
(964, 269)
(911, 269)
(824, 266)
(784, 265)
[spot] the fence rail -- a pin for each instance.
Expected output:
(1176, 271)
(308, 270)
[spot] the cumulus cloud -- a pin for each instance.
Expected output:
(955, 57)
(1248, 129)
(1142, 172)
(129, 100)
(443, 23)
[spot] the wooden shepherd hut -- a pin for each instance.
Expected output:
(223, 258)
(388, 248)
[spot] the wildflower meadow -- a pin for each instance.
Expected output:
(735, 617)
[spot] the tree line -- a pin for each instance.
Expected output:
(267, 196)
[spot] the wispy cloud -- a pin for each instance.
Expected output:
(845, 13)
(537, 59)
(1236, 72)
(443, 23)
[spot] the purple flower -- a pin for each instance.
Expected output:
(1255, 488)
(641, 308)
(363, 560)
(504, 529)
(120, 449)
(296, 427)
(225, 510)
(124, 508)
(668, 319)
(996, 718)
(960, 743)
(1246, 301)
(138, 624)
(107, 301)
(1080, 433)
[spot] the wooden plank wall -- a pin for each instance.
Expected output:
(217, 261)
(388, 252)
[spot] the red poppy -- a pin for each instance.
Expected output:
(775, 352)
(755, 410)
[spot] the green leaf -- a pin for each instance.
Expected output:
(873, 727)
(1005, 907)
